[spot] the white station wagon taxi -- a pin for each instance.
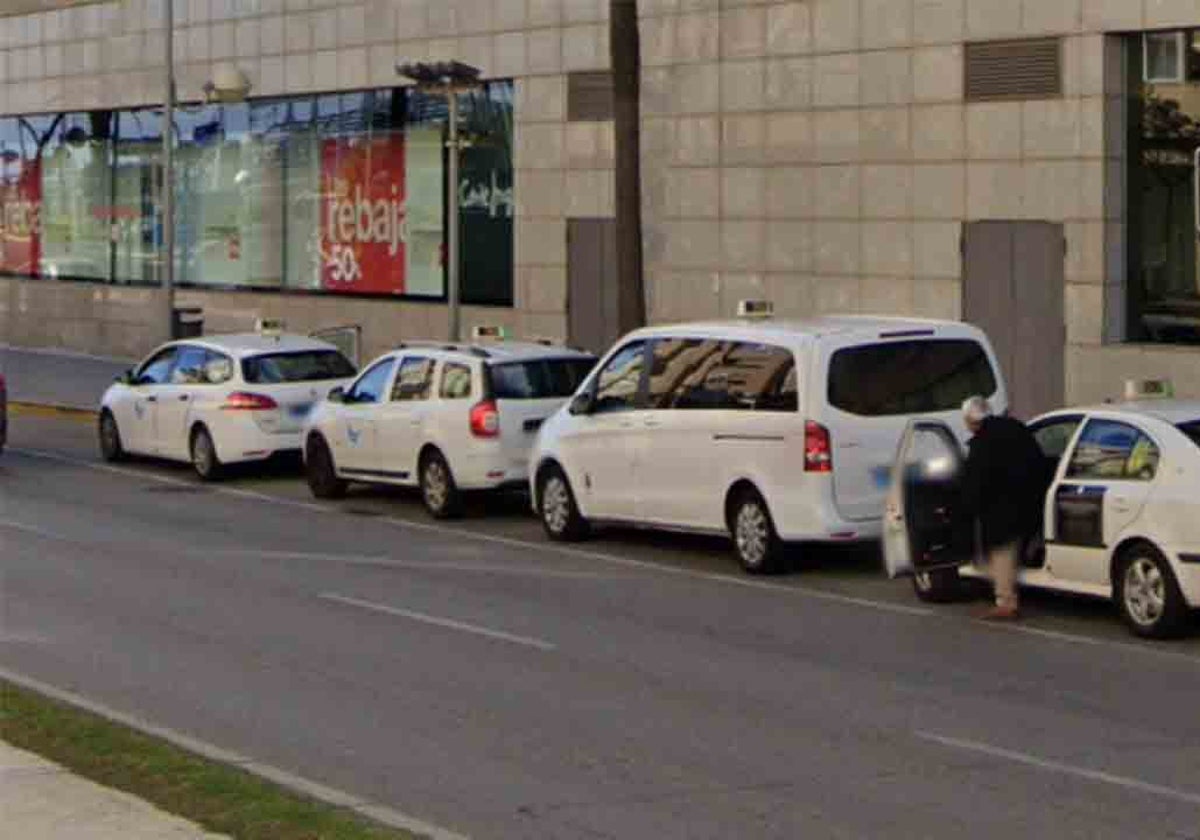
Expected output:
(220, 400)
(445, 417)
(1121, 517)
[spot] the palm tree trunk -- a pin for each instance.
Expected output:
(625, 54)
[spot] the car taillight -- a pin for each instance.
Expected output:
(818, 454)
(485, 419)
(244, 401)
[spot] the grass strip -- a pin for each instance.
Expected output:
(215, 796)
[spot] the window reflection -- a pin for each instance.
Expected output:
(1164, 218)
(341, 193)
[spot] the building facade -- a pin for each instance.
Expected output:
(1030, 165)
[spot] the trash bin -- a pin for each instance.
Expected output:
(187, 322)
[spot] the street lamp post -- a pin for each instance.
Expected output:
(449, 78)
(168, 176)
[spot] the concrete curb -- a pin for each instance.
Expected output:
(39, 408)
(331, 796)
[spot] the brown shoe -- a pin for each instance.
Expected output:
(999, 613)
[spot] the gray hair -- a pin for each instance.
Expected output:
(976, 409)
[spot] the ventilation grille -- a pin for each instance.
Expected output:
(1026, 69)
(590, 96)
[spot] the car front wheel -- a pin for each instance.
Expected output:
(320, 471)
(111, 448)
(1148, 595)
(559, 513)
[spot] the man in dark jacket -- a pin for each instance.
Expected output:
(1003, 488)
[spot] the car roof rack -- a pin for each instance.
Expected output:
(445, 345)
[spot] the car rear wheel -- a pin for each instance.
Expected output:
(937, 586)
(320, 471)
(1148, 595)
(111, 448)
(755, 540)
(559, 513)
(204, 455)
(440, 494)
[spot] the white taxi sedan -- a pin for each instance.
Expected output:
(219, 400)
(1121, 516)
(445, 418)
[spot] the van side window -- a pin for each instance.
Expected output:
(702, 374)
(909, 377)
(619, 384)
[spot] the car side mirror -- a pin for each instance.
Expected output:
(127, 378)
(581, 403)
(337, 395)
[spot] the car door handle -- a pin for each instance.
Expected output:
(414, 422)
(151, 399)
(184, 398)
(651, 424)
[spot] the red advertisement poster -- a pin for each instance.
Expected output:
(363, 227)
(20, 217)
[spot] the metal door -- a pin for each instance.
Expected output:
(592, 284)
(1013, 289)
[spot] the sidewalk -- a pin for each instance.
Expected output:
(42, 801)
(56, 378)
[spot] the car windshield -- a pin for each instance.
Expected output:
(539, 379)
(301, 366)
(1192, 430)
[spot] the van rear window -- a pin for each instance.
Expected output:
(539, 379)
(909, 377)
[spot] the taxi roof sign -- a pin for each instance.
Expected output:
(488, 333)
(269, 327)
(1149, 389)
(755, 309)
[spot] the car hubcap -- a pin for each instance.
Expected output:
(751, 533)
(435, 485)
(556, 505)
(1145, 596)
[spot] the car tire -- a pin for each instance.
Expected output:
(439, 493)
(937, 586)
(557, 509)
(755, 540)
(204, 455)
(111, 448)
(321, 472)
(1148, 595)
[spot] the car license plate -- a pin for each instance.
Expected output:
(300, 411)
(881, 477)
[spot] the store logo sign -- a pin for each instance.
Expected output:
(21, 219)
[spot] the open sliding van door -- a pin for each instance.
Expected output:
(923, 536)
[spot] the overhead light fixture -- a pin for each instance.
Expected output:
(228, 84)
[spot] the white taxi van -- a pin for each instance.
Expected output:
(1121, 518)
(220, 400)
(768, 430)
(447, 418)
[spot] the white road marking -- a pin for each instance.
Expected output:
(316, 790)
(447, 623)
(1058, 767)
(32, 529)
(728, 580)
(1058, 635)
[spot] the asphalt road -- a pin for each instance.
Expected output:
(479, 678)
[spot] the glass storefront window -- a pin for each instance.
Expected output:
(339, 193)
(1164, 219)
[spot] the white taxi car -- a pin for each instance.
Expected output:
(445, 417)
(220, 400)
(1121, 516)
